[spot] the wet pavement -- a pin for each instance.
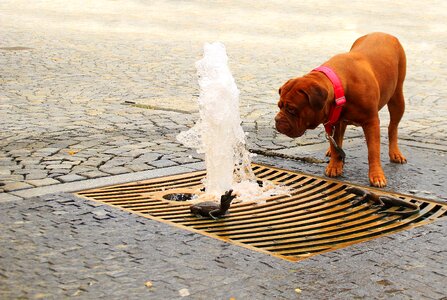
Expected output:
(96, 95)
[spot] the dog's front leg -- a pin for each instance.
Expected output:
(339, 133)
(372, 135)
(335, 166)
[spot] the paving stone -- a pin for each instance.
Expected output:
(42, 182)
(82, 169)
(5, 172)
(70, 178)
(116, 151)
(14, 186)
(163, 163)
(33, 175)
(18, 152)
(58, 172)
(117, 161)
(114, 170)
(135, 152)
(95, 162)
(6, 164)
(149, 157)
(11, 178)
(5, 197)
(48, 151)
(59, 166)
(139, 167)
(93, 174)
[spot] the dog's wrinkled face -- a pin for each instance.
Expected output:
(301, 104)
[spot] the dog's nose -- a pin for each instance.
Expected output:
(281, 125)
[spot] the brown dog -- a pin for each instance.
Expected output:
(372, 75)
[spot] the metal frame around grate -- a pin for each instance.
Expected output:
(318, 215)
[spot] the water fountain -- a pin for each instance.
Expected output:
(218, 132)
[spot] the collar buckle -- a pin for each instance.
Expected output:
(340, 101)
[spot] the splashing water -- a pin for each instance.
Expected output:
(218, 133)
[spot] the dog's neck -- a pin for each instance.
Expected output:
(330, 100)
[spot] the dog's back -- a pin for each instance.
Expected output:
(387, 58)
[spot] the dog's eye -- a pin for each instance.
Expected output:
(291, 110)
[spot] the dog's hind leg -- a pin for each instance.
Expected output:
(396, 107)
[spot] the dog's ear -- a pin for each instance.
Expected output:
(317, 95)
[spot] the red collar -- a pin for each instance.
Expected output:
(340, 100)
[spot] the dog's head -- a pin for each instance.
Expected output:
(301, 106)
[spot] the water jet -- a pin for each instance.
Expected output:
(218, 133)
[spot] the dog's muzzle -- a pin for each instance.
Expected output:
(282, 125)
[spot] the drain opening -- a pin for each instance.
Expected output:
(179, 197)
(318, 216)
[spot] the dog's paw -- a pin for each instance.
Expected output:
(334, 169)
(377, 179)
(397, 157)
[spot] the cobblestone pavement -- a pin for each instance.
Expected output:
(96, 89)
(63, 97)
(61, 246)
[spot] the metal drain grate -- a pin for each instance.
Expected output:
(317, 217)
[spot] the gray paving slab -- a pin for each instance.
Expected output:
(105, 181)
